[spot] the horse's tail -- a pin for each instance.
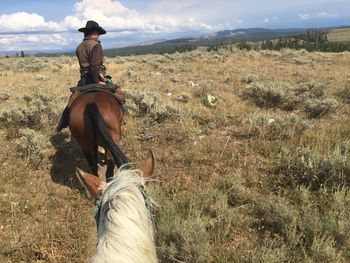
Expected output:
(101, 127)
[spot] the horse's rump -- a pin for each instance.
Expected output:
(95, 119)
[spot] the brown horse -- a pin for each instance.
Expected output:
(95, 119)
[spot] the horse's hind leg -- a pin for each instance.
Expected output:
(91, 157)
(110, 166)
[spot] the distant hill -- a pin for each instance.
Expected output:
(339, 35)
(224, 37)
(251, 34)
(218, 38)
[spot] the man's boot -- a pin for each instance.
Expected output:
(64, 120)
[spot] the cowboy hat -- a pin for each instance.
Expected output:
(91, 26)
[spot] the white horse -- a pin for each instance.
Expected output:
(124, 221)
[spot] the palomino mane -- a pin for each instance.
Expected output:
(124, 224)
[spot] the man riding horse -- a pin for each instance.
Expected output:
(92, 71)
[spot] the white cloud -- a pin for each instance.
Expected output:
(304, 16)
(269, 19)
(106, 7)
(28, 42)
(325, 14)
(111, 15)
(114, 16)
(22, 21)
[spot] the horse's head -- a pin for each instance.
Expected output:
(95, 187)
(123, 214)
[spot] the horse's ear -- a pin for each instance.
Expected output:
(147, 166)
(92, 184)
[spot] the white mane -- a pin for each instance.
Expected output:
(125, 228)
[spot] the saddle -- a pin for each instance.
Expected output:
(96, 87)
(111, 88)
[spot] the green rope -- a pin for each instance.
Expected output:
(97, 210)
(148, 202)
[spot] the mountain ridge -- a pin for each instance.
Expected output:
(216, 38)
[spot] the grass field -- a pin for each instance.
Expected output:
(261, 176)
(339, 35)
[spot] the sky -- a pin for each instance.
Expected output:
(51, 25)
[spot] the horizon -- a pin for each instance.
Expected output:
(42, 26)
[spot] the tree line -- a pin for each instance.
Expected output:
(311, 40)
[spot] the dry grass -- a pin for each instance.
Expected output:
(236, 183)
(339, 35)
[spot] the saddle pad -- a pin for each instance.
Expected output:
(95, 87)
(108, 88)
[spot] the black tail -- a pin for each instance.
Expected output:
(100, 125)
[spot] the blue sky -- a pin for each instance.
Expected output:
(49, 25)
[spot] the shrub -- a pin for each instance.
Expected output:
(301, 61)
(30, 64)
(65, 60)
(204, 87)
(316, 108)
(249, 78)
(41, 78)
(344, 94)
(310, 90)
(30, 145)
(184, 239)
(306, 87)
(311, 168)
(201, 222)
(38, 111)
(119, 60)
(25, 117)
(277, 216)
(301, 226)
(132, 76)
(237, 193)
(174, 80)
(4, 66)
(165, 70)
(323, 249)
(272, 253)
(145, 102)
(274, 127)
(4, 96)
(183, 97)
(269, 94)
(181, 244)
